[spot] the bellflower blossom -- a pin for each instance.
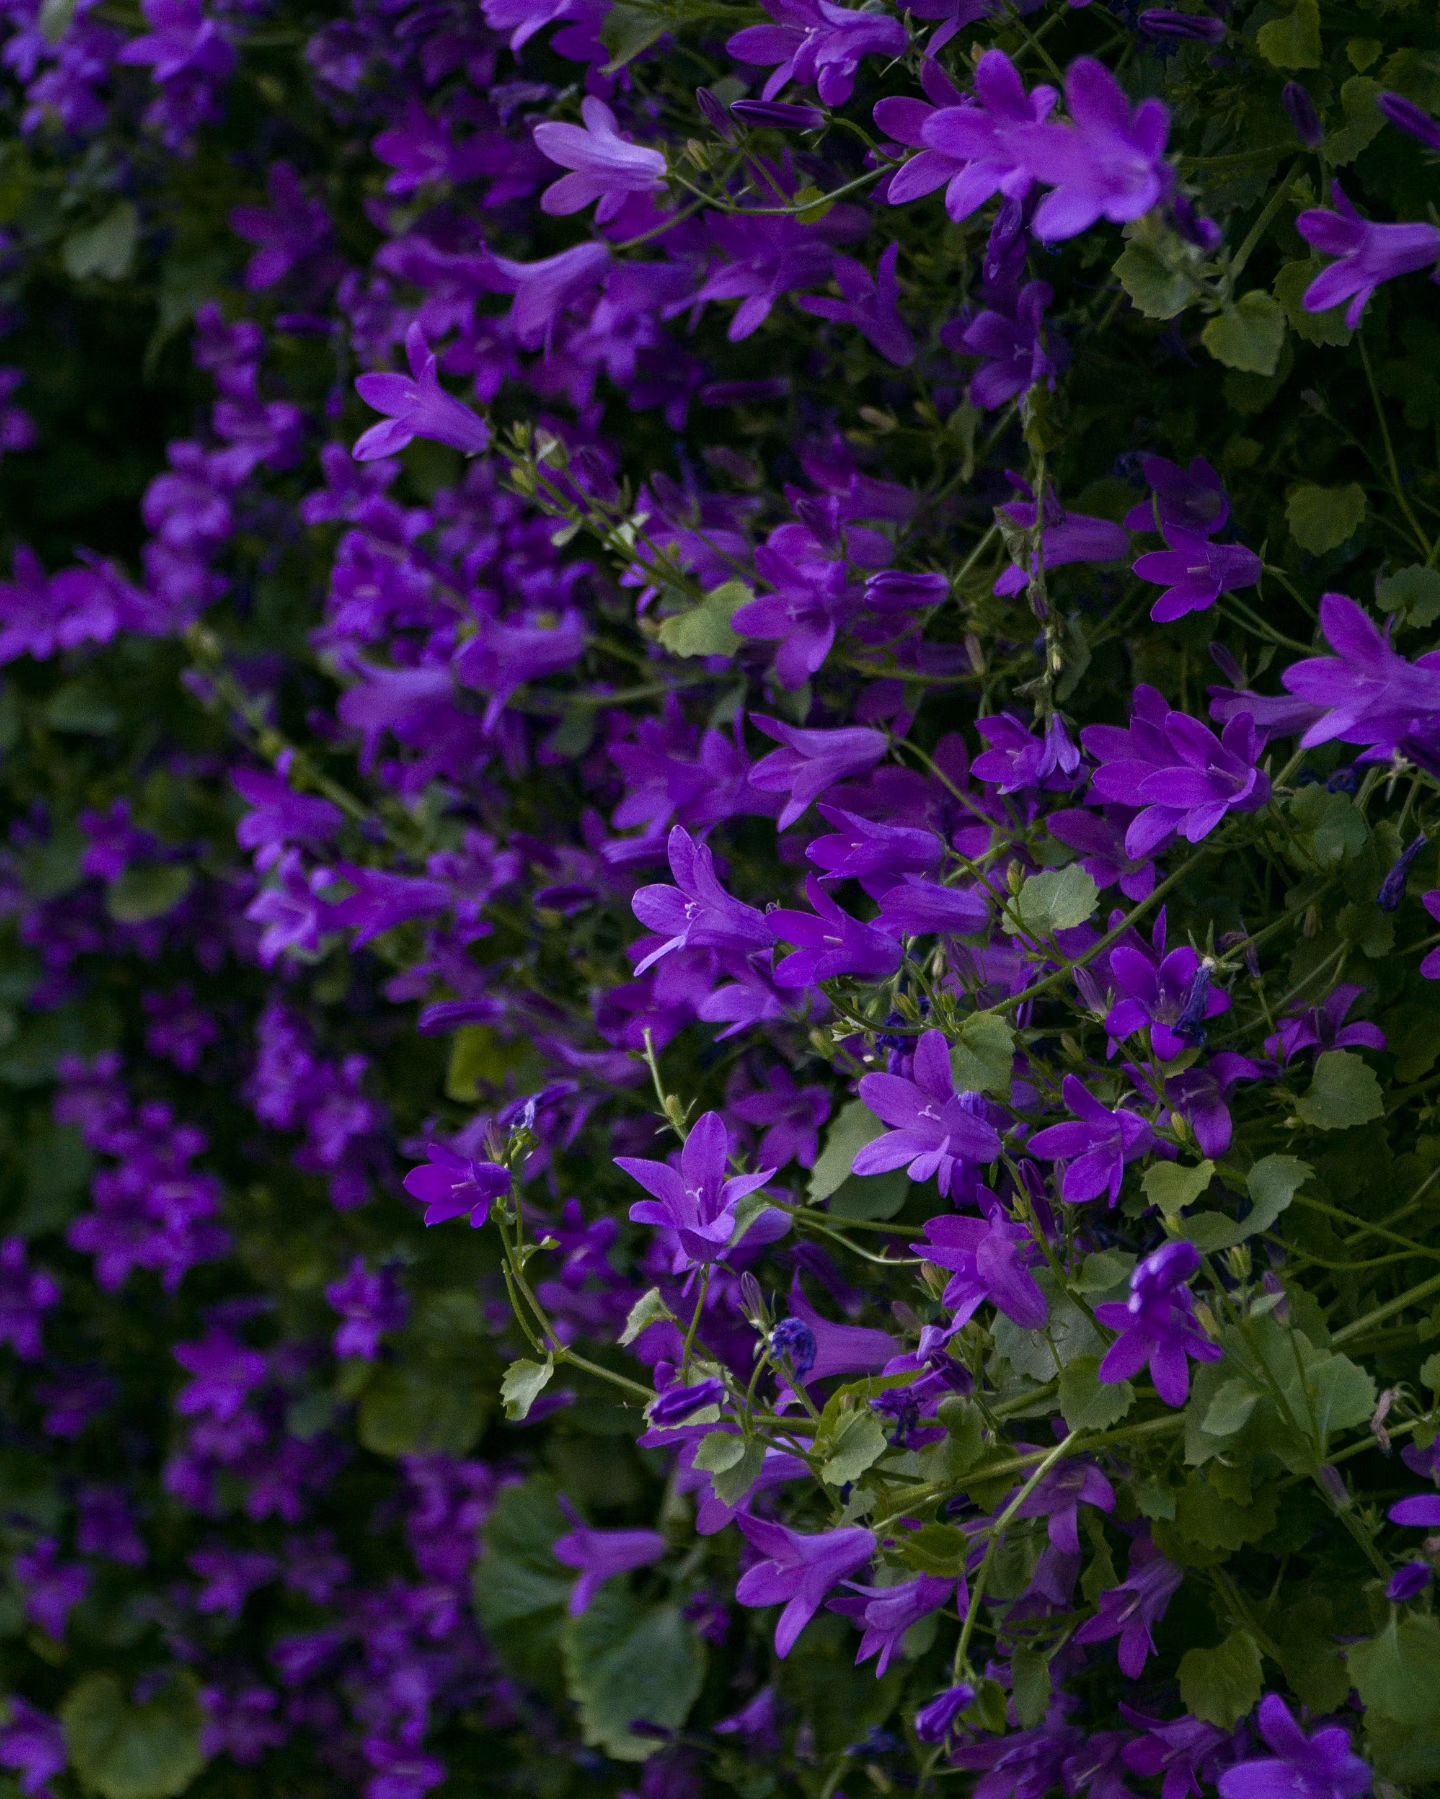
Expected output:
(605, 166)
(871, 304)
(1108, 163)
(1189, 500)
(601, 1555)
(1131, 1610)
(1194, 573)
(1096, 1148)
(798, 1571)
(452, 1185)
(831, 943)
(697, 911)
(26, 1294)
(934, 1131)
(1367, 255)
(417, 406)
(886, 1614)
(1184, 778)
(1320, 1767)
(818, 44)
(1157, 1325)
(990, 1261)
(1010, 340)
(970, 149)
(1366, 691)
(810, 762)
(699, 1201)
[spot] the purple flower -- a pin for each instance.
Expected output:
(1366, 255)
(1300, 110)
(698, 1200)
(287, 233)
(1324, 1027)
(935, 1721)
(1202, 28)
(990, 1259)
(790, 1115)
(817, 44)
(697, 912)
(605, 166)
(1392, 888)
(1132, 1609)
(934, 1130)
(1430, 967)
(544, 290)
(417, 406)
(1423, 1511)
(887, 1613)
(1168, 994)
(181, 42)
(1096, 1149)
(870, 304)
(1409, 1582)
(778, 115)
(279, 816)
(452, 1185)
(1018, 762)
(1108, 163)
(32, 1746)
(600, 1555)
(1184, 778)
(972, 150)
(862, 848)
(793, 1341)
(371, 1304)
(1157, 1325)
(919, 908)
(831, 943)
(225, 1374)
(798, 1571)
(1011, 343)
(1410, 118)
(813, 597)
(1066, 538)
(1366, 692)
(1318, 1767)
(1190, 500)
(26, 1295)
(51, 1588)
(1194, 573)
(810, 762)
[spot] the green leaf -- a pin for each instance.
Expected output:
(523, 1384)
(426, 1406)
(649, 1309)
(141, 894)
(1322, 518)
(1030, 1686)
(1430, 1372)
(106, 249)
(56, 18)
(1345, 1092)
(705, 629)
(722, 1449)
(1229, 1411)
(852, 1127)
(1171, 1186)
(1221, 1686)
(1247, 335)
(1273, 1182)
(82, 710)
(1329, 825)
(1056, 900)
(1337, 1394)
(1088, 1404)
(628, 31)
(126, 1751)
(733, 1483)
(983, 1055)
(1363, 121)
(856, 1445)
(1155, 288)
(1315, 327)
(1414, 593)
(1397, 1673)
(1293, 42)
(625, 1664)
(517, 1575)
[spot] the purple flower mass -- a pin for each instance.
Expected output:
(739, 686)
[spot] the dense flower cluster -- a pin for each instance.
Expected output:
(721, 751)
